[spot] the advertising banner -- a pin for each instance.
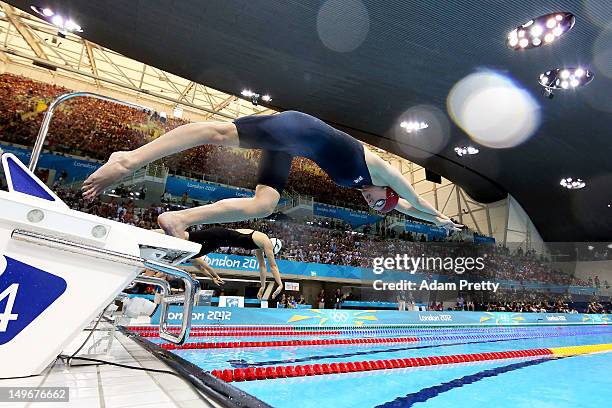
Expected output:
(355, 218)
(325, 317)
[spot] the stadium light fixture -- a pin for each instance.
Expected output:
(466, 150)
(255, 97)
(572, 183)
(413, 126)
(564, 78)
(540, 31)
(63, 24)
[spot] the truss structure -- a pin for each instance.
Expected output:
(27, 40)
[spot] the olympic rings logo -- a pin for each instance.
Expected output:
(340, 317)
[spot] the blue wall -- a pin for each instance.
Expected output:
(483, 240)
(316, 317)
(430, 230)
(77, 169)
(355, 218)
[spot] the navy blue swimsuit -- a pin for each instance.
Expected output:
(291, 133)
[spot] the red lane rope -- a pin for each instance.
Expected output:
(266, 373)
(275, 343)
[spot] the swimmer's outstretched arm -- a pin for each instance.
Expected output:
(404, 207)
(383, 174)
(202, 265)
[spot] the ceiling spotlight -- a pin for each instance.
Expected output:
(590, 247)
(466, 150)
(550, 26)
(58, 21)
(63, 25)
(572, 183)
(536, 30)
(413, 126)
(255, 97)
(72, 26)
(564, 78)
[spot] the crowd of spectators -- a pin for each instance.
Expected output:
(528, 301)
(336, 244)
(94, 129)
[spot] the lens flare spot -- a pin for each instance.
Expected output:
(493, 110)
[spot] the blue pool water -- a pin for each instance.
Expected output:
(579, 381)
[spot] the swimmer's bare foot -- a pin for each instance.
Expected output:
(117, 166)
(171, 223)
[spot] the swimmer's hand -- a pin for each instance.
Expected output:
(448, 224)
(117, 166)
(218, 281)
(260, 293)
(277, 292)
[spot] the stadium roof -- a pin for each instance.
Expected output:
(366, 65)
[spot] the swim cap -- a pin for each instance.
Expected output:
(391, 201)
(277, 244)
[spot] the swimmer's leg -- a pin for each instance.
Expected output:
(182, 138)
(229, 210)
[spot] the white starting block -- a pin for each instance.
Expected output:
(59, 268)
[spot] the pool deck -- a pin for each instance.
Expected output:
(107, 386)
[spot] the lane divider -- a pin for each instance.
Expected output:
(153, 331)
(279, 343)
(366, 340)
(197, 333)
(266, 373)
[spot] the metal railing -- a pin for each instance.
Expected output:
(44, 128)
(191, 285)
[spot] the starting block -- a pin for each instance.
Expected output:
(59, 268)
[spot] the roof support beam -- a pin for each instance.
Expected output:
(186, 90)
(24, 31)
(112, 81)
(92, 62)
(223, 105)
(115, 67)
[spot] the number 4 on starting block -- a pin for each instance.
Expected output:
(8, 315)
